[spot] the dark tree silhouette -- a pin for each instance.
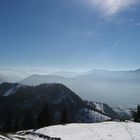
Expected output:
(64, 117)
(137, 114)
(8, 125)
(44, 117)
(28, 121)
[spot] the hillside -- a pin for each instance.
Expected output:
(37, 106)
(96, 131)
(99, 131)
(112, 112)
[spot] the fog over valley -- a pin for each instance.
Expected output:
(117, 88)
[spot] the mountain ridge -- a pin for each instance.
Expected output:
(115, 88)
(28, 104)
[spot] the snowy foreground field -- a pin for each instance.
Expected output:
(95, 131)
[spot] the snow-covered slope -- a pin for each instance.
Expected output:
(96, 131)
(103, 108)
(7, 89)
(86, 115)
(112, 112)
(12, 90)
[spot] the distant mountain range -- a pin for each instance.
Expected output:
(2, 80)
(112, 76)
(113, 87)
(9, 78)
(117, 88)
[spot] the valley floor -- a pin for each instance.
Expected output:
(95, 131)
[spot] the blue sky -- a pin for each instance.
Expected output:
(70, 35)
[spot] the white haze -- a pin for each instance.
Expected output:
(115, 88)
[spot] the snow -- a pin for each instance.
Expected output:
(99, 106)
(97, 117)
(3, 137)
(94, 131)
(89, 116)
(9, 92)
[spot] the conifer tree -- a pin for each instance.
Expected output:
(64, 117)
(44, 117)
(137, 114)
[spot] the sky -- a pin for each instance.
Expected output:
(74, 35)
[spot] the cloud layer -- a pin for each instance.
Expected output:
(111, 7)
